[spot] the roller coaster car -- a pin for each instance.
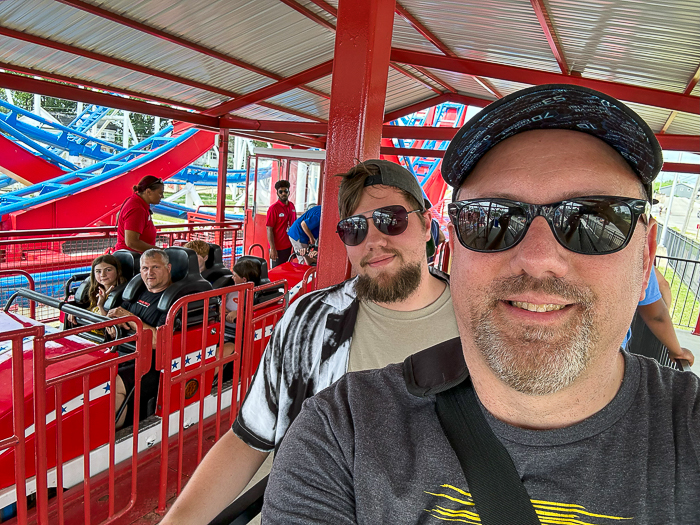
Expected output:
(186, 280)
(214, 268)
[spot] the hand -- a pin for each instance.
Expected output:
(684, 354)
(111, 331)
(118, 312)
(273, 254)
(312, 240)
(102, 295)
(231, 316)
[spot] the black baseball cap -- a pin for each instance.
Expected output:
(555, 106)
(392, 174)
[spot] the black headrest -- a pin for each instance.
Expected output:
(264, 279)
(183, 261)
(129, 262)
(215, 256)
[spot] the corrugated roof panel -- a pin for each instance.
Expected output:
(256, 112)
(42, 59)
(304, 101)
(322, 84)
(685, 124)
(403, 91)
(505, 87)
(265, 33)
(464, 84)
(653, 44)
(67, 25)
(696, 90)
(655, 117)
(404, 36)
(499, 31)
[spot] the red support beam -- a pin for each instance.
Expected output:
(362, 49)
(52, 89)
(680, 142)
(412, 76)
(280, 138)
(550, 34)
(688, 90)
(309, 14)
(681, 167)
(174, 39)
(277, 88)
(429, 36)
(94, 85)
(413, 152)
(26, 37)
(436, 79)
(221, 184)
(418, 106)
(640, 95)
(328, 8)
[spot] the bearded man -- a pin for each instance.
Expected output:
(395, 306)
(535, 414)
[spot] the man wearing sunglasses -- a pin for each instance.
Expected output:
(551, 420)
(395, 306)
(280, 216)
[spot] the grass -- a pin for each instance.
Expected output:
(685, 305)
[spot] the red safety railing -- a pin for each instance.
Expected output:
(261, 318)
(44, 382)
(52, 256)
(17, 441)
(308, 283)
(175, 351)
(30, 285)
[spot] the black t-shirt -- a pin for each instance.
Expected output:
(146, 308)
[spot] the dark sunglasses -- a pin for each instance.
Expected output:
(283, 190)
(595, 225)
(390, 220)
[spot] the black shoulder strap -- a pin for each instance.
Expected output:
(495, 485)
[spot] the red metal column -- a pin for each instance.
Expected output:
(221, 185)
(358, 92)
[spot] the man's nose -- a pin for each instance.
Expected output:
(539, 254)
(374, 236)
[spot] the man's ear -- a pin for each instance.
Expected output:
(649, 253)
(428, 222)
(451, 240)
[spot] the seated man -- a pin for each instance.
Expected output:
(533, 414)
(155, 272)
(201, 248)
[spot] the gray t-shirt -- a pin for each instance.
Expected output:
(367, 451)
(383, 336)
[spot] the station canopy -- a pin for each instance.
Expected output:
(263, 68)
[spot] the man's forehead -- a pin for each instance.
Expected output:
(379, 195)
(562, 163)
(152, 261)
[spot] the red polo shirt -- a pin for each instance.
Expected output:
(280, 217)
(135, 215)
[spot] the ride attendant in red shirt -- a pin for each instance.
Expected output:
(135, 228)
(280, 216)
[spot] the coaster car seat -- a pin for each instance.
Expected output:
(186, 280)
(214, 265)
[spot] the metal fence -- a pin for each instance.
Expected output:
(678, 245)
(683, 276)
(51, 257)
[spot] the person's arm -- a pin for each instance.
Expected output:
(307, 231)
(664, 288)
(115, 313)
(657, 318)
(223, 474)
(134, 242)
(271, 242)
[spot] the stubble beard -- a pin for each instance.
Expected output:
(531, 359)
(389, 288)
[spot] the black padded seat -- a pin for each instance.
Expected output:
(264, 279)
(184, 274)
(214, 265)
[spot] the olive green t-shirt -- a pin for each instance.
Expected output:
(383, 336)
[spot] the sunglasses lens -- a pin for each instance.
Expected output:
(488, 226)
(591, 226)
(353, 230)
(391, 220)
